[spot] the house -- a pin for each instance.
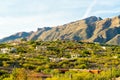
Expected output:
(41, 75)
(103, 47)
(55, 59)
(43, 48)
(5, 50)
(13, 50)
(94, 71)
(63, 70)
(74, 55)
(15, 42)
(8, 50)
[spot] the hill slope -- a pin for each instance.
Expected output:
(78, 30)
(91, 29)
(16, 36)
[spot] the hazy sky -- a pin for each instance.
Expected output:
(28, 15)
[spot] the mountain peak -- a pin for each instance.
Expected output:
(16, 36)
(92, 19)
(46, 28)
(118, 16)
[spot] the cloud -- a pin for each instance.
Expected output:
(90, 7)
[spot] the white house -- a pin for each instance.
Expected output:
(75, 55)
(8, 50)
(5, 50)
(103, 47)
(41, 48)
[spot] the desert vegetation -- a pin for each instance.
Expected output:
(58, 60)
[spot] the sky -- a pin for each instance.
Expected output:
(28, 15)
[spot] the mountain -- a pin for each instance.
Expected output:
(16, 36)
(115, 40)
(91, 29)
(105, 30)
(35, 35)
(78, 30)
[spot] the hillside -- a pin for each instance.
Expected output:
(16, 36)
(59, 58)
(91, 29)
(78, 30)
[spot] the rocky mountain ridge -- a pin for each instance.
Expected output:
(91, 29)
